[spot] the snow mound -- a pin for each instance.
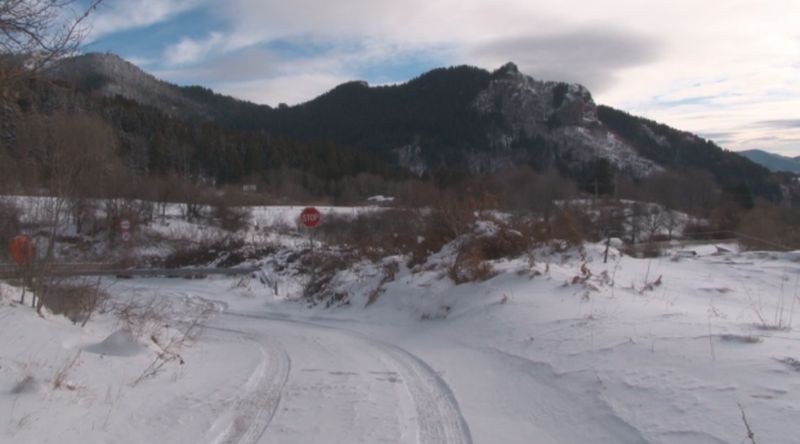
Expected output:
(119, 343)
(380, 199)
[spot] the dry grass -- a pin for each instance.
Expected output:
(204, 251)
(60, 380)
(142, 317)
(169, 350)
(377, 234)
(153, 320)
(228, 217)
(75, 299)
(322, 266)
(389, 273)
(498, 239)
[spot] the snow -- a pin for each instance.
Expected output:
(557, 347)
(379, 198)
(288, 215)
(119, 343)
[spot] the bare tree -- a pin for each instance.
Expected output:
(34, 33)
(74, 153)
(654, 220)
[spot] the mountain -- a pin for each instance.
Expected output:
(108, 75)
(772, 161)
(467, 119)
(674, 150)
(449, 122)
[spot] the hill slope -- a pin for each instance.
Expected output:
(108, 75)
(772, 161)
(460, 120)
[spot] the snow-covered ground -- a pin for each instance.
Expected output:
(558, 347)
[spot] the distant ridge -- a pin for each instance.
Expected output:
(772, 161)
(108, 75)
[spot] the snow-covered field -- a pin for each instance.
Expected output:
(558, 347)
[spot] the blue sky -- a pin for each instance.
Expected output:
(721, 68)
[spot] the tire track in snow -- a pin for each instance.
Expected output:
(255, 406)
(438, 417)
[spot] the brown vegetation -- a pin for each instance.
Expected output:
(75, 299)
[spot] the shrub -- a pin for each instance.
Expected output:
(469, 266)
(770, 228)
(569, 225)
(222, 250)
(74, 299)
(491, 240)
(645, 250)
(228, 217)
(701, 231)
(322, 266)
(377, 234)
(389, 273)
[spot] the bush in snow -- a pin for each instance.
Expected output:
(227, 216)
(208, 250)
(490, 240)
(377, 234)
(770, 228)
(75, 299)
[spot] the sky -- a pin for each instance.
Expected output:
(728, 70)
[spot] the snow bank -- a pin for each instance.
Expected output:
(119, 343)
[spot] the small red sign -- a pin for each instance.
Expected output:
(310, 217)
(21, 249)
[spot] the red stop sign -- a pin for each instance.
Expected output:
(310, 217)
(21, 249)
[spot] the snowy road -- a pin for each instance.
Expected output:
(333, 384)
(521, 358)
(319, 383)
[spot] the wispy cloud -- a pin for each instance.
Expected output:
(113, 17)
(192, 50)
(780, 123)
(588, 55)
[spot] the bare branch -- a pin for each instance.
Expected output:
(35, 33)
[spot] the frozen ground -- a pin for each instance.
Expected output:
(561, 349)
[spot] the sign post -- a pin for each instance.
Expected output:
(310, 217)
(125, 237)
(125, 230)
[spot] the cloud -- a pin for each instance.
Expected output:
(191, 50)
(265, 72)
(246, 65)
(117, 16)
(718, 137)
(780, 123)
(590, 56)
(291, 89)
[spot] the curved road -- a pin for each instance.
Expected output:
(318, 383)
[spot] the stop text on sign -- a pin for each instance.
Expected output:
(310, 217)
